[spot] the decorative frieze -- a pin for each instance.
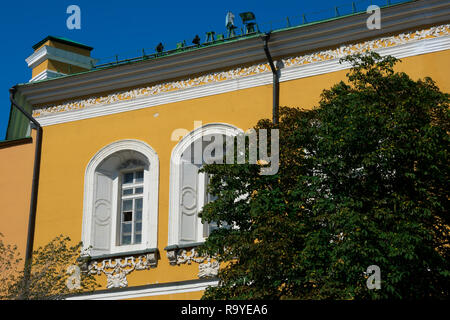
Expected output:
(208, 267)
(215, 77)
(117, 269)
(370, 45)
(172, 256)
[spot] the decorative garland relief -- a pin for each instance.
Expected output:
(117, 269)
(207, 268)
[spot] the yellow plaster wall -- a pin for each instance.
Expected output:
(16, 173)
(306, 92)
(68, 147)
(39, 68)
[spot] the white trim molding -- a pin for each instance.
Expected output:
(176, 174)
(150, 207)
(47, 74)
(52, 53)
(152, 290)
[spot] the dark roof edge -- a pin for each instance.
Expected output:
(62, 40)
(15, 142)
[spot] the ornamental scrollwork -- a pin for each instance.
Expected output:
(117, 269)
(208, 267)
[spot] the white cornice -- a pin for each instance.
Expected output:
(163, 289)
(46, 74)
(47, 52)
(288, 73)
(314, 37)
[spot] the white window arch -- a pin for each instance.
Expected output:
(188, 186)
(120, 212)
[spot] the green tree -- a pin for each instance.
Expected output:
(363, 181)
(57, 270)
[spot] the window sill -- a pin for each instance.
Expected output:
(174, 251)
(154, 251)
(183, 246)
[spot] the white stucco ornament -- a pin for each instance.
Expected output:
(117, 269)
(207, 266)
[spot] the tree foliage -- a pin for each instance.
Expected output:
(56, 271)
(363, 181)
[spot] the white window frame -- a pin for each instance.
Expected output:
(150, 195)
(131, 197)
(175, 178)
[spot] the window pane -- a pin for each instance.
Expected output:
(126, 239)
(205, 230)
(139, 176)
(131, 226)
(127, 192)
(127, 216)
(138, 190)
(137, 238)
(126, 228)
(213, 226)
(128, 177)
(138, 204)
(127, 205)
(208, 228)
(138, 215)
(138, 227)
(211, 198)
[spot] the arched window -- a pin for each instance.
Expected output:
(188, 186)
(120, 211)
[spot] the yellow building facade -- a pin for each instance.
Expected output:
(16, 172)
(113, 171)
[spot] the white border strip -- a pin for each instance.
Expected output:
(292, 73)
(47, 52)
(47, 74)
(147, 292)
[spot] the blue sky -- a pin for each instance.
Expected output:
(126, 27)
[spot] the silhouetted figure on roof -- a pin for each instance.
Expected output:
(160, 48)
(196, 40)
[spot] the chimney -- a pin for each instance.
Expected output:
(55, 56)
